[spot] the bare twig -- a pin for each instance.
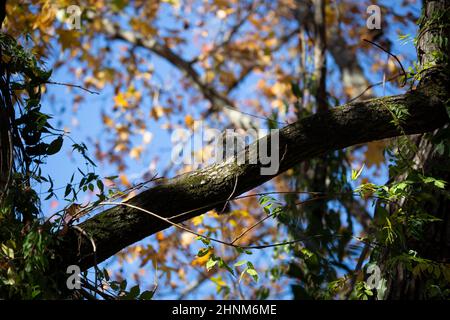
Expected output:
(373, 85)
(231, 195)
(73, 86)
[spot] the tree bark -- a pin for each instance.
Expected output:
(435, 240)
(204, 189)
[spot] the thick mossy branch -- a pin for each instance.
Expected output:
(359, 122)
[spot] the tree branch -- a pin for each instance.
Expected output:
(218, 100)
(351, 124)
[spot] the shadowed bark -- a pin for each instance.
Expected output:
(434, 243)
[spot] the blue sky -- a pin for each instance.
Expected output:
(86, 126)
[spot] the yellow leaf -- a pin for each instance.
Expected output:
(107, 121)
(219, 281)
(135, 153)
(124, 180)
(123, 132)
(209, 76)
(255, 21)
(189, 121)
(200, 261)
(212, 213)
(143, 27)
(68, 39)
(160, 236)
(181, 274)
(222, 3)
(175, 3)
(271, 42)
(242, 213)
(158, 111)
(120, 100)
(197, 220)
(120, 147)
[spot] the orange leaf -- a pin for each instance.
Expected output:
(189, 121)
(124, 180)
(160, 236)
(120, 100)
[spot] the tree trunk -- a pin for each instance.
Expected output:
(434, 243)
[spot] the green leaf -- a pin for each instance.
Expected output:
(239, 249)
(123, 285)
(211, 263)
(223, 264)
(146, 295)
(356, 174)
(114, 285)
(240, 263)
(437, 271)
(44, 75)
(55, 146)
(134, 292)
(35, 292)
(37, 150)
(9, 252)
(100, 185)
(440, 184)
(106, 274)
(296, 90)
(204, 240)
(68, 189)
(253, 273)
(202, 252)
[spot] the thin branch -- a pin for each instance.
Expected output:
(392, 55)
(374, 85)
(248, 247)
(267, 217)
(231, 33)
(185, 213)
(231, 195)
(252, 227)
(358, 267)
(96, 290)
(218, 100)
(340, 127)
(94, 249)
(73, 86)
